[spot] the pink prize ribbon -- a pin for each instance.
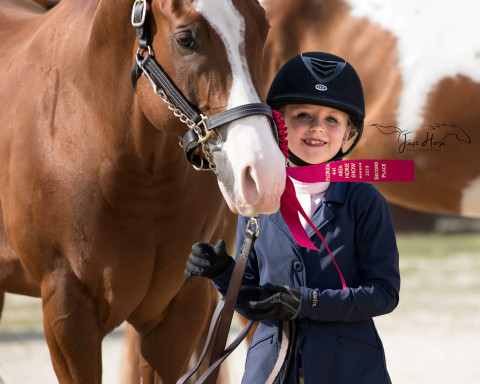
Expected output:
(282, 132)
(375, 171)
(344, 170)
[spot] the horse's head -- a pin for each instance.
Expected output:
(212, 51)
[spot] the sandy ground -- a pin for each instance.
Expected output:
(25, 359)
(432, 337)
(24, 356)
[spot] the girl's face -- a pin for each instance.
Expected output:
(315, 133)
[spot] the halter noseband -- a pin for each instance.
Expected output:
(200, 126)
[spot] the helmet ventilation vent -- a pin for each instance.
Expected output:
(323, 70)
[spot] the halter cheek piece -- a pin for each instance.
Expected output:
(200, 126)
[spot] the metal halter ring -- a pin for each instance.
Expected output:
(254, 221)
(199, 130)
(150, 52)
(199, 168)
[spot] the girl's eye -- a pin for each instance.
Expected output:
(185, 39)
(331, 119)
(303, 115)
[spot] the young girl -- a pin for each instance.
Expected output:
(321, 98)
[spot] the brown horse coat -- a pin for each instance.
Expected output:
(99, 206)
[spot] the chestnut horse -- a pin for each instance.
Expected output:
(420, 68)
(99, 206)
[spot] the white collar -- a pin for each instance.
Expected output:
(310, 188)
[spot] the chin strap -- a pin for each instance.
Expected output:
(294, 159)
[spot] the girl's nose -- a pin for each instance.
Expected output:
(316, 126)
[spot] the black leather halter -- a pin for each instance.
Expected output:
(200, 126)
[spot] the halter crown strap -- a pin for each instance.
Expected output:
(139, 15)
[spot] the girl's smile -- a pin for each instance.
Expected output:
(314, 143)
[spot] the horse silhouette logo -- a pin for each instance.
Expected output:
(435, 139)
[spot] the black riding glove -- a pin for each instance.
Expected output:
(283, 303)
(207, 261)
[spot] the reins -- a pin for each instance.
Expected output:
(200, 126)
(222, 319)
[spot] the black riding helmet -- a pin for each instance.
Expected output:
(322, 79)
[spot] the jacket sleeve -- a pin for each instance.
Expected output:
(251, 276)
(378, 268)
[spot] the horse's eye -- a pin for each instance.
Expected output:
(186, 40)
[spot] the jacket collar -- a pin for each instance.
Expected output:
(336, 193)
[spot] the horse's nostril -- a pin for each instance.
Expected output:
(249, 186)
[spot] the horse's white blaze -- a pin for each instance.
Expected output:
(471, 200)
(229, 24)
(250, 166)
(436, 38)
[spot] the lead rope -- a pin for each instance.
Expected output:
(222, 317)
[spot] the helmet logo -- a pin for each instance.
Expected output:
(321, 87)
(323, 70)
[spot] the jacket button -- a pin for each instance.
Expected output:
(297, 266)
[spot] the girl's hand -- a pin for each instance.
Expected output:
(207, 261)
(283, 303)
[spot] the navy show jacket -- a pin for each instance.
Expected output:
(338, 340)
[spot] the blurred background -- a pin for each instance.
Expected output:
(433, 335)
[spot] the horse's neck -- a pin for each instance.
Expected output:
(105, 60)
(109, 45)
(111, 31)
(92, 37)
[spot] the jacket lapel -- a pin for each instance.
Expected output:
(278, 221)
(336, 193)
(322, 215)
